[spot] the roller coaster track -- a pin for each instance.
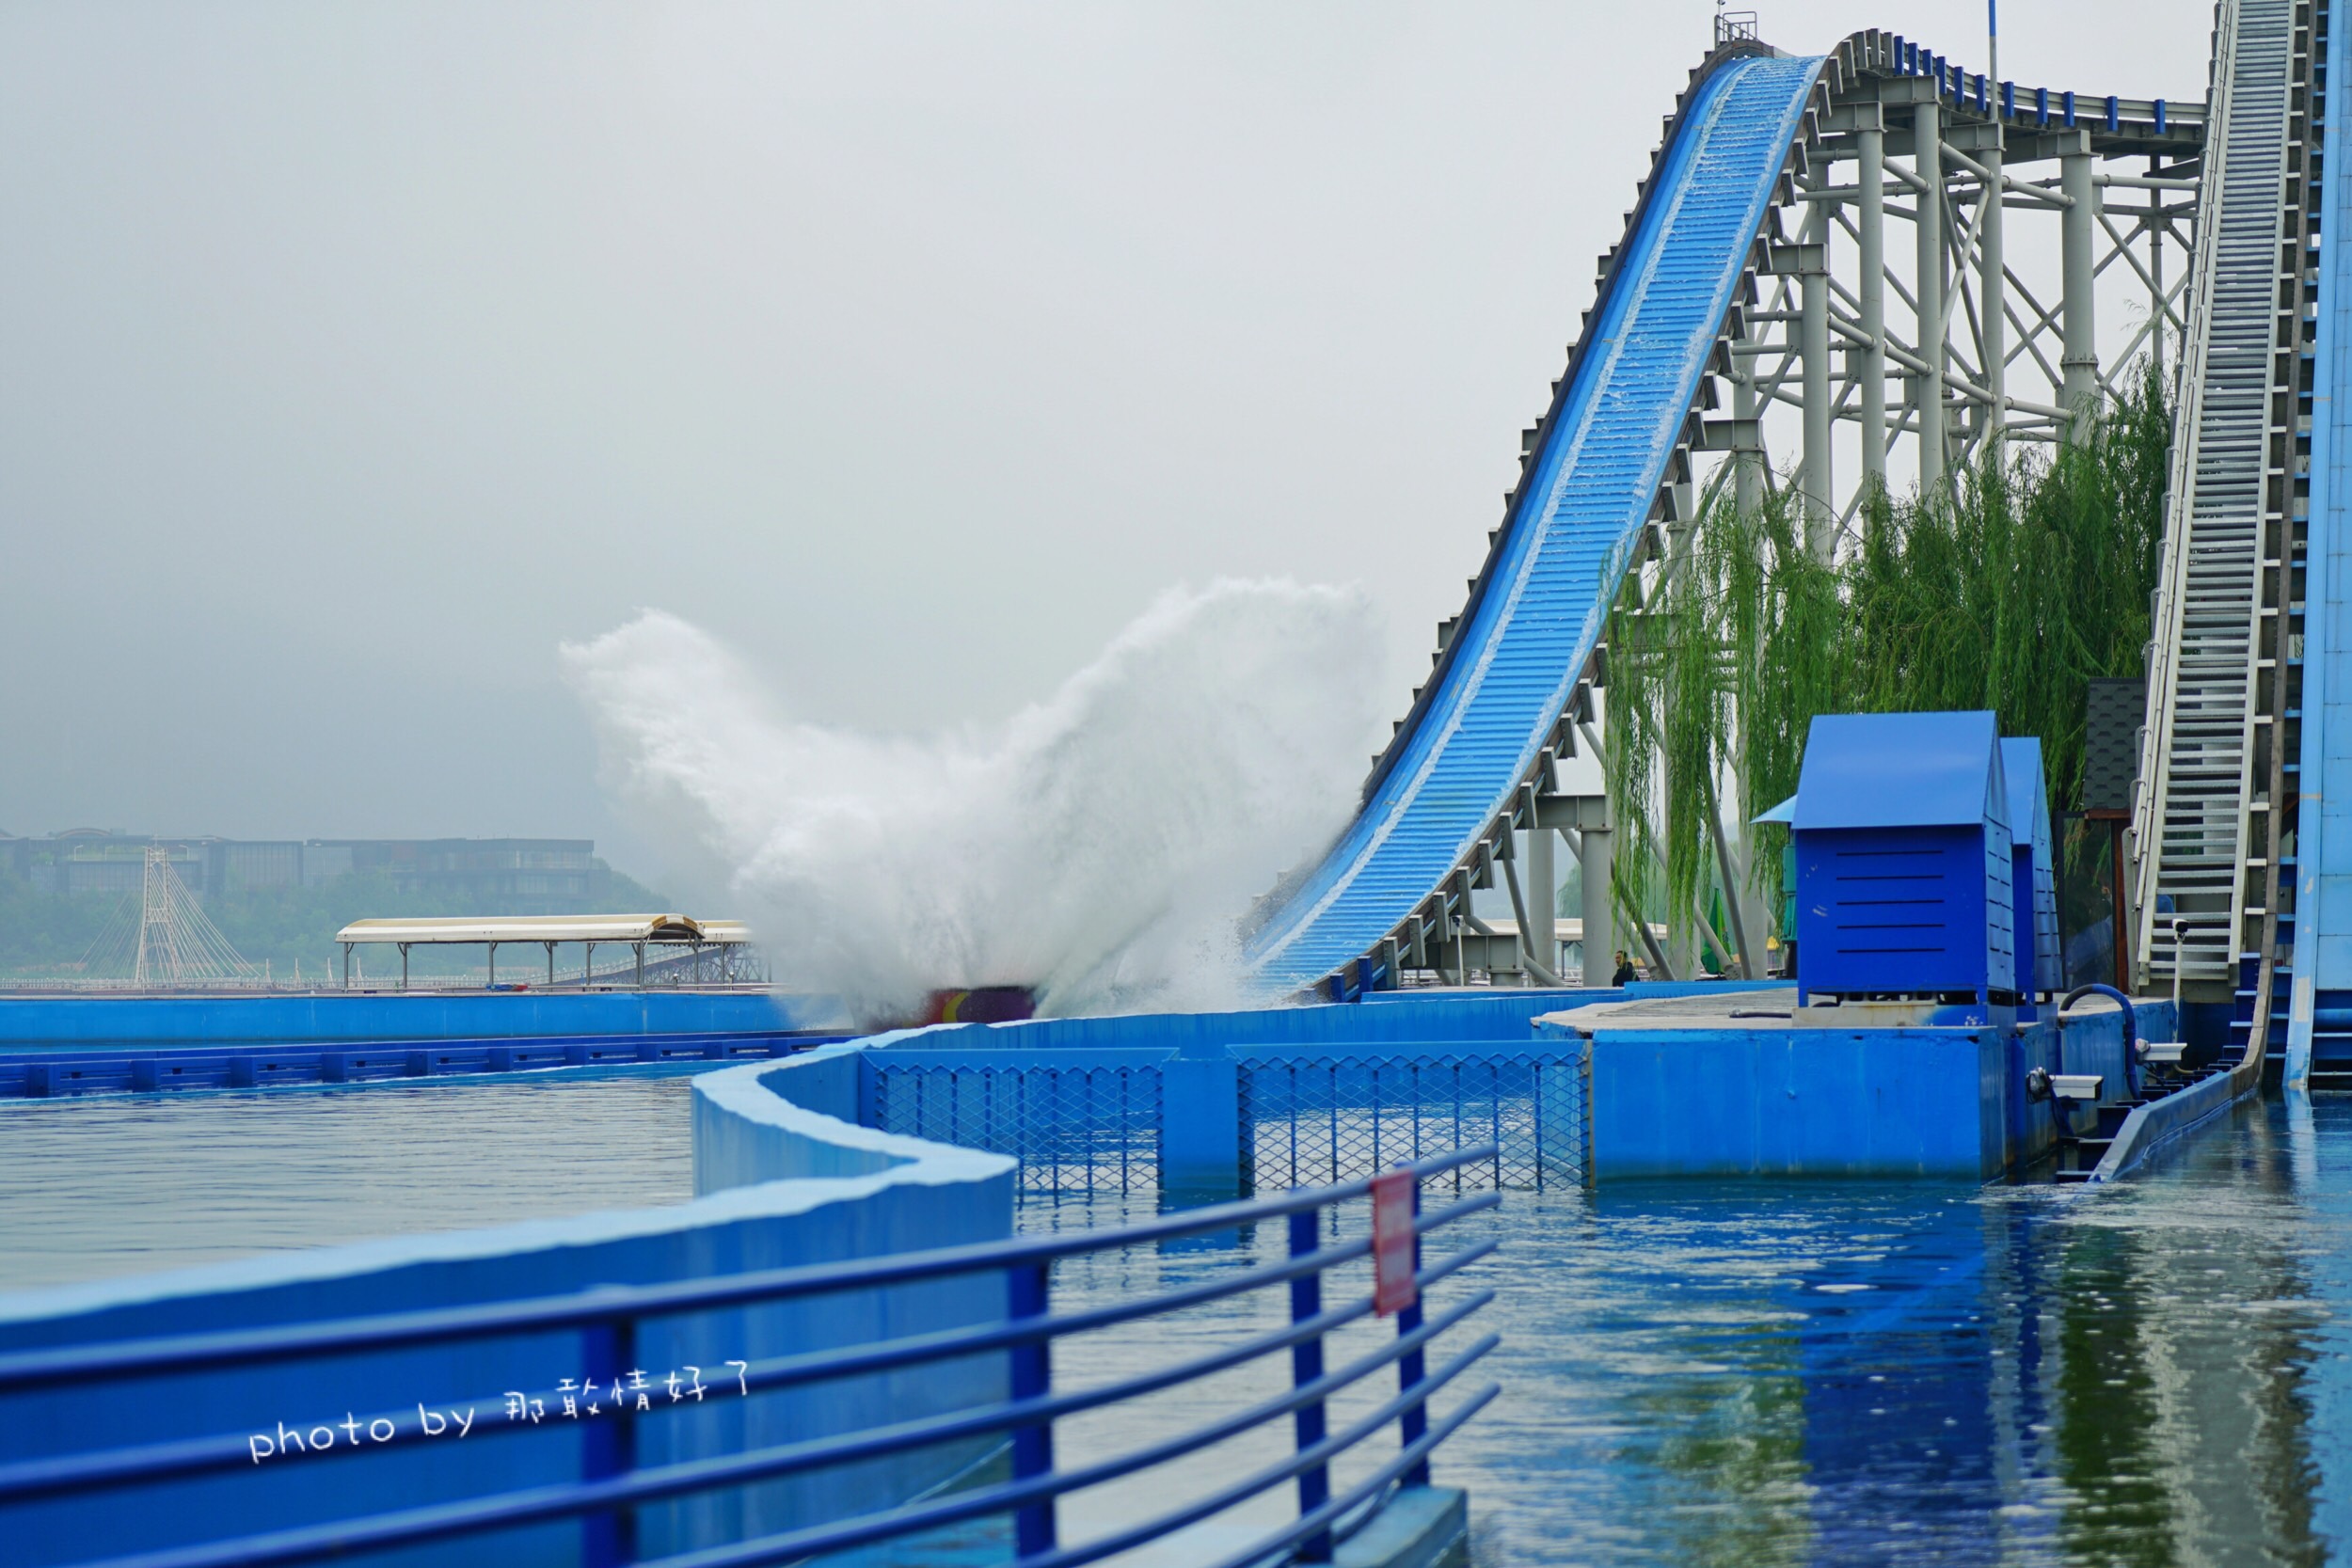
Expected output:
(1608, 478)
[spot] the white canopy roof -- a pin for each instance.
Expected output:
(548, 928)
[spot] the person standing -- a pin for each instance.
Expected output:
(1625, 970)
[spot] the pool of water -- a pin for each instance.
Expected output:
(1831, 1374)
(1723, 1373)
(123, 1184)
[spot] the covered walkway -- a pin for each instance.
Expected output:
(727, 940)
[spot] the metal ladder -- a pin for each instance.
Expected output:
(2207, 653)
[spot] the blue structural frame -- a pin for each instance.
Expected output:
(1900, 827)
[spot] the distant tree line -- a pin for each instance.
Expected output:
(46, 934)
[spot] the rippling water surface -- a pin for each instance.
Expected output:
(1741, 1375)
(123, 1184)
(1830, 1373)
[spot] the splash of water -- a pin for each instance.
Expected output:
(1098, 845)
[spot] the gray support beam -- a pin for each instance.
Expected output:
(1820, 516)
(2078, 302)
(2155, 284)
(1747, 487)
(1927, 387)
(1543, 893)
(1993, 300)
(1598, 858)
(1871, 221)
(1750, 967)
(1533, 971)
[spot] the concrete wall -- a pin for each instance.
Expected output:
(116, 1022)
(780, 1186)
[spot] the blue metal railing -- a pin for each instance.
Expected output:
(612, 1484)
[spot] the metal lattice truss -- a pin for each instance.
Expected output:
(2032, 214)
(1870, 364)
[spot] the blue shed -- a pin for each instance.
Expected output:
(1900, 826)
(2033, 876)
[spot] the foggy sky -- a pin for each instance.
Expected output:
(353, 357)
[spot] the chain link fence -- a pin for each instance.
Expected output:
(1073, 1129)
(1313, 1120)
(1305, 1121)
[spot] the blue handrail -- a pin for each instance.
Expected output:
(611, 1483)
(2131, 1030)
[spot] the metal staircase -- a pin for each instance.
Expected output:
(2212, 757)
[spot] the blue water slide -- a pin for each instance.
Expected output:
(1539, 612)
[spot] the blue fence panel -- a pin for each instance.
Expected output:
(1073, 1128)
(1309, 1119)
(1095, 1119)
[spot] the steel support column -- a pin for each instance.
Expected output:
(1993, 302)
(1598, 858)
(2077, 228)
(1821, 518)
(1870, 142)
(1747, 475)
(1541, 938)
(1927, 387)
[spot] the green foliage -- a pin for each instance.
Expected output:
(47, 933)
(2009, 593)
(43, 932)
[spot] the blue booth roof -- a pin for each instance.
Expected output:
(2028, 796)
(1901, 771)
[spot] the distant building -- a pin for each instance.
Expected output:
(521, 876)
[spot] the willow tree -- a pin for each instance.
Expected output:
(2009, 593)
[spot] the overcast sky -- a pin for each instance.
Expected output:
(352, 356)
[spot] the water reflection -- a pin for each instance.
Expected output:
(1824, 1374)
(2120, 1377)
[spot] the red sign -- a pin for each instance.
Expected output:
(1393, 1285)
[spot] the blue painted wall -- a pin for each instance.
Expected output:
(114, 1022)
(1903, 908)
(858, 1194)
(1795, 1103)
(1860, 1102)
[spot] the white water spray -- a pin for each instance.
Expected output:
(1100, 846)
